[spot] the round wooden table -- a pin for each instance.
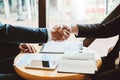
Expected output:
(32, 74)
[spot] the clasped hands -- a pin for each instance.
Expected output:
(60, 32)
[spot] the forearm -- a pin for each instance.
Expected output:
(109, 29)
(94, 30)
(20, 34)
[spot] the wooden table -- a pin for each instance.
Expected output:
(32, 74)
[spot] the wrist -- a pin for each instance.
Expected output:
(50, 34)
(74, 29)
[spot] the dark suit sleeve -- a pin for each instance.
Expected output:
(108, 75)
(106, 30)
(18, 34)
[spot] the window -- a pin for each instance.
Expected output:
(19, 12)
(78, 11)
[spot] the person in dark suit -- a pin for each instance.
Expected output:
(110, 68)
(11, 38)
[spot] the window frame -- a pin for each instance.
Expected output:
(42, 13)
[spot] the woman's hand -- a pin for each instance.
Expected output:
(27, 48)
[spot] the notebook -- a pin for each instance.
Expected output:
(62, 47)
(78, 63)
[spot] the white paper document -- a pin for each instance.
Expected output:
(62, 47)
(77, 66)
(78, 63)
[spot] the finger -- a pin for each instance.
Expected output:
(55, 28)
(59, 29)
(66, 35)
(26, 51)
(29, 48)
(22, 47)
(67, 28)
(33, 49)
(67, 32)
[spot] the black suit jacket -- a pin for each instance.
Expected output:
(11, 36)
(18, 34)
(109, 29)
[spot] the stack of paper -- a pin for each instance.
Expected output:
(79, 63)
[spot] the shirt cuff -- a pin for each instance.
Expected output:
(72, 28)
(49, 35)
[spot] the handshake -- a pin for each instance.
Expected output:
(62, 32)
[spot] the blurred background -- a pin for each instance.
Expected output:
(26, 13)
(19, 12)
(58, 11)
(79, 11)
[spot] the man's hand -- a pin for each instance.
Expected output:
(72, 28)
(27, 48)
(60, 33)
